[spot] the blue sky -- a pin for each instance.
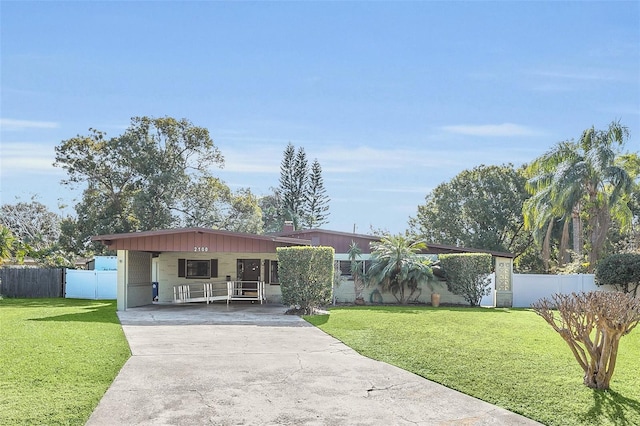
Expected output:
(392, 98)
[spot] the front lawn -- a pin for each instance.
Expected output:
(57, 359)
(508, 357)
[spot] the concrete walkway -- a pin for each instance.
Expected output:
(252, 365)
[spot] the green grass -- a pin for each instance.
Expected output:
(57, 359)
(511, 358)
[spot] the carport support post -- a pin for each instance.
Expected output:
(504, 280)
(121, 303)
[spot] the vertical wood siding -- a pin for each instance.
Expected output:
(195, 242)
(32, 282)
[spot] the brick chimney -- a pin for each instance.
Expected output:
(288, 226)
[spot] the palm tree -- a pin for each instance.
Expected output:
(396, 266)
(354, 253)
(7, 241)
(584, 181)
(540, 217)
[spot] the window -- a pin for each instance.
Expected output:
(192, 268)
(366, 264)
(271, 272)
(345, 267)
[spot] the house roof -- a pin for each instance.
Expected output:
(328, 237)
(216, 240)
(196, 239)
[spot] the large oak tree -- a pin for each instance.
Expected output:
(155, 175)
(479, 208)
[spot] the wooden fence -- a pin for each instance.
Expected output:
(32, 282)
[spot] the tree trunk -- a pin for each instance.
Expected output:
(598, 228)
(546, 246)
(576, 221)
(563, 255)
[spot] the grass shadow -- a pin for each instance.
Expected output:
(57, 302)
(611, 405)
(316, 319)
(104, 313)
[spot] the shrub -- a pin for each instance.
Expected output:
(592, 325)
(621, 271)
(467, 275)
(306, 276)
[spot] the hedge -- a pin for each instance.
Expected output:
(306, 276)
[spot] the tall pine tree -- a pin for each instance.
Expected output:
(293, 182)
(301, 194)
(317, 201)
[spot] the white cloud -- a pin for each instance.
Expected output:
(591, 75)
(25, 157)
(11, 124)
(406, 189)
(339, 159)
(504, 129)
(567, 80)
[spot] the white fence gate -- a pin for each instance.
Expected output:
(96, 285)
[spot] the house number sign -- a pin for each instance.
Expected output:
(200, 249)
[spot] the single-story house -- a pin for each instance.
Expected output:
(200, 264)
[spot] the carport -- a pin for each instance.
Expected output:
(178, 261)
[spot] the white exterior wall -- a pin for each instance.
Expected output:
(134, 279)
(139, 279)
(345, 292)
(167, 271)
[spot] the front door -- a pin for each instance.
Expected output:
(249, 269)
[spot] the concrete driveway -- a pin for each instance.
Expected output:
(252, 365)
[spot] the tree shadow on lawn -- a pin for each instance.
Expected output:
(612, 406)
(104, 313)
(316, 320)
(51, 302)
(36, 303)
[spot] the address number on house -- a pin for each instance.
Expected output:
(200, 249)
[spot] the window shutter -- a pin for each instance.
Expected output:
(267, 275)
(214, 268)
(182, 268)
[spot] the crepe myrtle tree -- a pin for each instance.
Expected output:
(592, 324)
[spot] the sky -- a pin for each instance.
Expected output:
(392, 98)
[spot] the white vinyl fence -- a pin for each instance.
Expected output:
(528, 288)
(91, 284)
